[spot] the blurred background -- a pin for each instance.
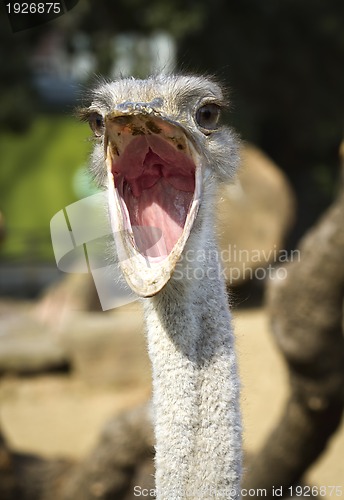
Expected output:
(284, 65)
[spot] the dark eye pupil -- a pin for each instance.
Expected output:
(207, 116)
(97, 124)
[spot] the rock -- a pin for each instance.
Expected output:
(255, 214)
(74, 292)
(25, 345)
(108, 349)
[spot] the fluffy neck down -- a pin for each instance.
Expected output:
(195, 386)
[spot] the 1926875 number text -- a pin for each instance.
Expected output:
(34, 8)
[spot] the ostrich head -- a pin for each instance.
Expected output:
(160, 151)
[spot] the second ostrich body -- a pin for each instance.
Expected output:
(161, 154)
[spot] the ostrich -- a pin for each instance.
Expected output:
(161, 153)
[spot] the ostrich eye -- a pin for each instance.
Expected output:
(208, 116)
(96, 122)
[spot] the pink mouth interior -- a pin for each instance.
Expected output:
(156, 183)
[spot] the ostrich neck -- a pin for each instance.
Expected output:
(195, 385)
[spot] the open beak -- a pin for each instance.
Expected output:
(155, 184)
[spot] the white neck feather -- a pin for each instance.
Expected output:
(195, 386)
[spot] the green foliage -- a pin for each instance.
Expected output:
(36, 181)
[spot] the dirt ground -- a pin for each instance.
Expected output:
(62, 414)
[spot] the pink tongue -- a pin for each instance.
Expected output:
(154, 168)
(163, 206)
(158, 185)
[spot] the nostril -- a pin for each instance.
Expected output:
(122, 120)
